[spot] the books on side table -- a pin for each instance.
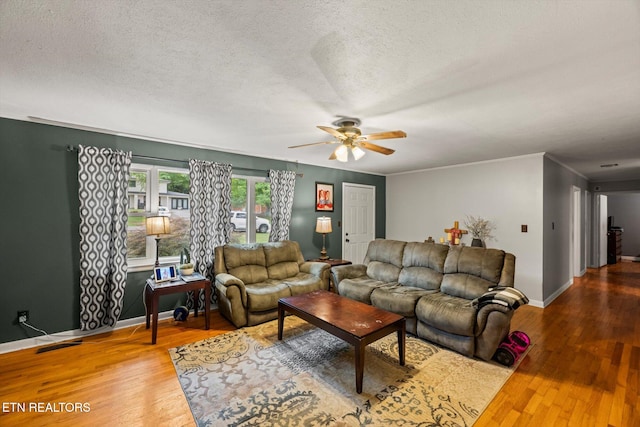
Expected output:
(192, 277)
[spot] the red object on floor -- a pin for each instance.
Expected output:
(513, 346)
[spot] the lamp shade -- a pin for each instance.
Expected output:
(323, 225)
(357, 153)
(158, 225)
(342, 153)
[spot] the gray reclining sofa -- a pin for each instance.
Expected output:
(442, 291)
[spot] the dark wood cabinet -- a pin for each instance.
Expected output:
(614, 246)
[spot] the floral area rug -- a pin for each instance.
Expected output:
(249, 378)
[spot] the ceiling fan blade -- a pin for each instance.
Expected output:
(376, 148)
(333, 132)
(386, 135)
(313, 143)
(333, 156)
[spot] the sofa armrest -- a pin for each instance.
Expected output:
(227, 280)
(498, 303)
(492, 325)
(486, 310)
(352, 271)
(315, 268)
(320, 270)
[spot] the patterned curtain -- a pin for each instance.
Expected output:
(210, 199)
(103, 178)
(283, 184)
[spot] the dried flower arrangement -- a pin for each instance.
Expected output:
(479, 227)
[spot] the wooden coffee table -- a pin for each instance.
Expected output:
(357, 323)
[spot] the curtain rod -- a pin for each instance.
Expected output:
(137, 156)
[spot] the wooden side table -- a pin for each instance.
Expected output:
(332, 263)
(153, 290)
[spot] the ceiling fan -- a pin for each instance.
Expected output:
(351, 140)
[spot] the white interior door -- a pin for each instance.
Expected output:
(358, 220)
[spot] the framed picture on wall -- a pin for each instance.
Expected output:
(324, 197)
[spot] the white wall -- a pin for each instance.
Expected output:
(508, 192)
(557, 232)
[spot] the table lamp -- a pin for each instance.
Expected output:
(323, 226)
(158, 225)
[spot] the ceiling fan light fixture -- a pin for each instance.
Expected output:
(342, 153)
(351, 139)
(357, 153)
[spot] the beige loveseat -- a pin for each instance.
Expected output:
(444, 292)
(250, 278)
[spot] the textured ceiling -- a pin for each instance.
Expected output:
(468, 81)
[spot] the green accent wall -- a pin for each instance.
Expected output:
(39, 254)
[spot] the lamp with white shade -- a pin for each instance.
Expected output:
(158, 226)
(323, 226)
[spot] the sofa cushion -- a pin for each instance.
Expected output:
(389, 251)
(398, 299)
(423, 265)
(422, 254)
(282, 259)
(420, 277)
(383, 271)
(360, 289)
(303, 283)
(246, 263)
(447, 313)
(384, 259)
(265, 295)
(470, 271)
(283, 270)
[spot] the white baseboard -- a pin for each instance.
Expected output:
(557, 293)
(76, 333)
(631, 258)
(536, 303)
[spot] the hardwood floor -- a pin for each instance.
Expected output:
(583, 369)
(124, 379)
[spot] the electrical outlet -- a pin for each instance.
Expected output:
(23, 316)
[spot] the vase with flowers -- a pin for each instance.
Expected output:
(480, 229)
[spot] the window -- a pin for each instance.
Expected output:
(136, 232)
(179, 203)
(250, 225)
(155, 190)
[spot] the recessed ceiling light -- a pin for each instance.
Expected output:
(609, 165)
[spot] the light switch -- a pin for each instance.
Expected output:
(523, 228)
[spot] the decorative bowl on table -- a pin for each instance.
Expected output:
(186, 269)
